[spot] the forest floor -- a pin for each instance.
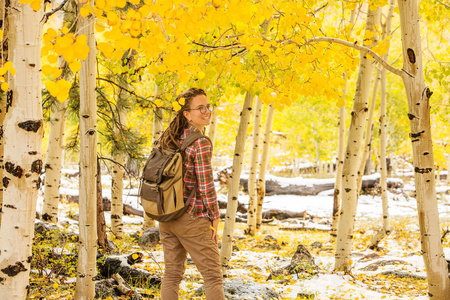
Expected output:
(395, 271)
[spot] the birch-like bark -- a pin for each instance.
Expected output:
(54, 158)
(117, 174)
(369, 131)
(86, 269)
(261, 188)
(233, 187)
(385, 230)
(101, 223)
(448, 169)
(352, 155)
(339, 166)
(22, 132)
(418, 95)
(158, 129)
(3, 59)
(252, 179)
(54, 161)
(213, 126)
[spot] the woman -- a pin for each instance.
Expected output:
(196, 231)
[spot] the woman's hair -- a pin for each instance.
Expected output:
(170, 137)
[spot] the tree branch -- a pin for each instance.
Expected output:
(48, 14)
(446, 5)
(369, 51)
(126, 90)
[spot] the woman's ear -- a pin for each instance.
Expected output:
(186, 114)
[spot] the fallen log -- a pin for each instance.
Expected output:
(122, 265)
(314, 187)
(127, 209)
(243, 218)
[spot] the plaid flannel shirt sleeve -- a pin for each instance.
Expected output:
(205, 177)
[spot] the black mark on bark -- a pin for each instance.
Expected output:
(15, 269)
(36, 166)
(33, 152)
(429, 93)
(91, 131)
(1, 132)
(6, 182)
(426, 153)
(411, 116)
(85, 116)
(422, 171)
(115, 217)
(14, 170)
(9, 97)
(47, 167)
(31, 125)
(9, 206)
(416, 135)
(415, 140)
(411, 55)
(348, 190)
(32, 65)
(38, 182)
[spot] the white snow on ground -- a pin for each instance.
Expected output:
(324, 286)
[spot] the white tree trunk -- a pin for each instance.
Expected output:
(158, 129)
(233, 187)
(369, 131)
(3, 58)
(261, 188)
(352, 155)
(252, 179)
(117, 179)
(213, 126)
(418, 95)
(448, 169)
(22, 133)
(86, 269)
(385, 230)
(339, 166)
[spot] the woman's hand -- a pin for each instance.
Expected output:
(214, 226)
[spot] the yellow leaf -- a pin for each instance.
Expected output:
(85, 11)
(4, 86)
(82, 52)
(52, 58)
(99, 28)
(135, 256)
(65, 30)
(158, 102)
(55, 285)
(113, 19)
(2, 71)
(69, 55)
(201, 75)
(47, 70)
(56, 72)
(106, 49)
(1, 34)
(100, 4)
(182, 101)
(7, 65)
(36, 5)
(121, 3)
(12, 72)
(176, 106)
(75, 66)
(81, 39)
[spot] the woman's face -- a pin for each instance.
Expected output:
(195, 116)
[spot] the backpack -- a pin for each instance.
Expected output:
(161, 186)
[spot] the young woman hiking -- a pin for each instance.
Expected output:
(196, 231)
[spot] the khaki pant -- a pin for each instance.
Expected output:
(190, 235)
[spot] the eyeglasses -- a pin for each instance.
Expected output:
(204, 109)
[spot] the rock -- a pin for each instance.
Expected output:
(270, 238)
(238, 289)
(404, 275)
(149, 238)
(370, 256)
(302, 262)
(376, 265)
(108, 288)
(306, 296)
(317, 245)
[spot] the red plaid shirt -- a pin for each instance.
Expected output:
(198, 168)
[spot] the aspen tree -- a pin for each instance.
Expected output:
(337, 195)
(3, 59)
(86, 269)
(385, 230)
(351, 162)
(119, 157)
(369, 131)
(158, 129)
(213, 126)
(233, 187)
(54, 158)
(252, 179)
(22, 132)
(418, 96)
(261, 188)
(339, 166)
(101, 223)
